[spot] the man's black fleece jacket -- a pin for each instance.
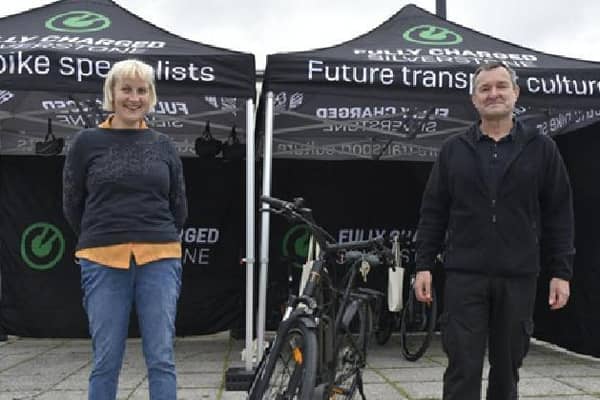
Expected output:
(531, 215)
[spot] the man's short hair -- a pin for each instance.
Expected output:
(491, 66)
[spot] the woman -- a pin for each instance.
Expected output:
(124, 196)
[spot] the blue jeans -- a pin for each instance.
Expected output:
(108, 294)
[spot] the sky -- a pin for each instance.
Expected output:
(567, 28)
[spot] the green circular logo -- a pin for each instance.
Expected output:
(432, 35)
(78, 21)
(42, 246)
(295, 244)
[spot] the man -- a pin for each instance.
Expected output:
(496, 195)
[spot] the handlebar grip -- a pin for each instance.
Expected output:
(353, 256)
(275, 203)
(373, 260)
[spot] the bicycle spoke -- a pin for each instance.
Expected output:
(285, 380)
(351, 356)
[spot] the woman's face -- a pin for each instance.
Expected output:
(131, 102)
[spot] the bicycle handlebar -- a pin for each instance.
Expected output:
(277, 203)
(295, 211)
(356, 245)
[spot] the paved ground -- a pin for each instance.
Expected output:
(57, 369)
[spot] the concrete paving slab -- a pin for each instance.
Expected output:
(568, 370)
(383, 391)
(417, 374)
(202, 380)
(545, 387)
(421, 390)
(590, 384)
(16, 395)
(53, 369)
(26, 383)
(576, 397)
(198, 365)
(183, 394)
(63, 395)
(372, 376)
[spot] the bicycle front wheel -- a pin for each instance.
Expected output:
(417, 326)
(289, 369)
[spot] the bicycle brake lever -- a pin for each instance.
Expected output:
(298, 202)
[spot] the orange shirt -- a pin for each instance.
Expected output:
(119, 255)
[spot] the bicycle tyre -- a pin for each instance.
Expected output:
(385, 324)
(349, 359)
(288, 370)
(417, 326)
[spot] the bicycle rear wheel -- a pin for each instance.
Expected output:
(289, 369)
(352, 347)
(417, 326)
(385, 325)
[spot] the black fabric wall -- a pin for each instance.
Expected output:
(41, 295)
(351, 199)
(367, 195)
(577, 326)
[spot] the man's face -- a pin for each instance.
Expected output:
(494, 95)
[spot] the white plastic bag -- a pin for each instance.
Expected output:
(396, 280)
(395, 286)
(313, 254)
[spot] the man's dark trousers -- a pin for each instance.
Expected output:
(478, 310)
